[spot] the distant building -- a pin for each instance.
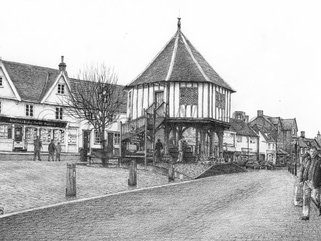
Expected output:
(240, 140)
(303, 144)
(31, 104)
(283, 131)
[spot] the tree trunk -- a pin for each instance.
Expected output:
(104, 147)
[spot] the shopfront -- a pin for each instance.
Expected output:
(18, 134)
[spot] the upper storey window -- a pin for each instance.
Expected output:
(61, 89)
(188, 96)
(1, 84)
(220, 100)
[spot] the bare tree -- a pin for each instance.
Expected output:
(96, 98)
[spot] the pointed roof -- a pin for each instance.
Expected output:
(241, 128)
(32, 82)
(179, 61)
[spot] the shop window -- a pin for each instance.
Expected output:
(239, 138)
(61, 89)
(97, 137)
(59, 113)
(59, 136)
(31, 134)
(116, 138)
(5, 132)
(45, 135)
(72, 137)
(29, 110)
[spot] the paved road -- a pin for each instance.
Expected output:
(244, 206)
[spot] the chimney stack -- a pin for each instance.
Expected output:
(260, 113)
(246, 118)
(62, 65)
(303, 134)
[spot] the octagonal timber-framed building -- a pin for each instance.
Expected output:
(177, 91)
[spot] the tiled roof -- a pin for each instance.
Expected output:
(265, 133)
(288, 124)
(32, 82)
(308, 142)
(241, 128)
(179, 61)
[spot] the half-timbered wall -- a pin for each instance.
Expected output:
(211, 101)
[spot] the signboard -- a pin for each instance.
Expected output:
(36, 122)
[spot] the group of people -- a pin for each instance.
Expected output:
(309, 183)
(53, 150)
(182, 144)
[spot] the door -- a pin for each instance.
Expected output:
(159, 98)
(86, 140)
(18, 134)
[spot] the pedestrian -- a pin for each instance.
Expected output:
(302, 175)
(158, 150)
(58, 151)
(37, 145)
(312, 184)
(181, 149)
(51, 150)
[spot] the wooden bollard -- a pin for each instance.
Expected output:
(71, 180)
(132, 180)
(171, 173)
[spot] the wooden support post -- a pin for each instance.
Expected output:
(196, 142)
(220, 143)
(171, 173)
(145, 144)
(175, 136)
(71, 180)
(132, 181)
(202, 137)
(120, 143)
(166, 139)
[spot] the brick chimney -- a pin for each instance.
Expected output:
(246, 119)
(260, 113)
(62, 65)
(303, 134)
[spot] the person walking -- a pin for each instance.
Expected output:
(58, 151)
(181, 149)
(51, 150)
(158, 149)
(312, 184)
(37, 145)
(302, 176)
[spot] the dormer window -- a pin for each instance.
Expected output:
(29, 110)
(61, 89)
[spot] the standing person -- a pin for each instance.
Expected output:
(51, 150)
(312, 184)
(158, 149)
(58, 151)
(302, 176)
(37, 145)
(181, 148)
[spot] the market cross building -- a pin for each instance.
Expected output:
(179, 94)
(32, 104)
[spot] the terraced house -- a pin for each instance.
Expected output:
(32, 103)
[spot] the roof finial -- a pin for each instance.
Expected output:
(179, 23)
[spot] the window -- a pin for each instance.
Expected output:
(1, 84)
(29, 110)
(59, 113)
(239, 138)
(5, 132)
(97, 137)
(188, 96)
(220, 100)
(61, 89)
(0, 107)
(252, 140)
(116, 138)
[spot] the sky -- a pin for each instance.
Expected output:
(268, 51)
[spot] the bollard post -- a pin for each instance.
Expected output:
(71, 180)
(171, 173)
(132, 181)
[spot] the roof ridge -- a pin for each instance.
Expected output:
(151, 62)
(194, 59)
(170, 70)
(31, 65)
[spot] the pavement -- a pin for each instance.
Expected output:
(244, 206)
(32, 184)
